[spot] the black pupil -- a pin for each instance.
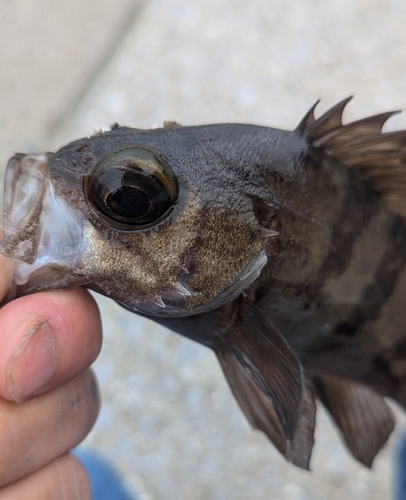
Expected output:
(131, 189)
(128, 202)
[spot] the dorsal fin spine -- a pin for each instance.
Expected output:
(329, 121)
(307, 120)
(380, 157)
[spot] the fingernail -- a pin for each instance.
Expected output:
(33, 363)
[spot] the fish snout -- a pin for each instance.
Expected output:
(25, 184)
(41, 230)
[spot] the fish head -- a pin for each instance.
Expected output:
(159, 220)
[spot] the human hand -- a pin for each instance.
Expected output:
(48, 396)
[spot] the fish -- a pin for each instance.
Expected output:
(282, 251)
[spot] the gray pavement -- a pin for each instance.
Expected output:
(169, 422)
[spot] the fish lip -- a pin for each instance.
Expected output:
(24, 189)
(16, 166)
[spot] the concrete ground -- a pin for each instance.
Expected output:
(169, 423)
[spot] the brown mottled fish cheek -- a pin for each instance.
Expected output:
(228, 255)
(118, 265)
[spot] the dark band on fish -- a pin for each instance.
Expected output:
(376, 295)
(343, 235)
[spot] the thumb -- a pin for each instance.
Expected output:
(47, 339)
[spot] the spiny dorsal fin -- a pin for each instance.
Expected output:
(358, 129)
(362, 416)
(379, 157)
(307, 120)
(329, 121)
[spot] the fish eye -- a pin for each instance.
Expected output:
(130, 189)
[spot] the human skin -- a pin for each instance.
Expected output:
(48, 395)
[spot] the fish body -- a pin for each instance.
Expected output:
(284, 252)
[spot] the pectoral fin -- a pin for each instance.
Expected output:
(363, 416)
(260, 412)
(304, 437)
(256, 406)
(269, 362)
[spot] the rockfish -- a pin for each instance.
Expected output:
(283, 251)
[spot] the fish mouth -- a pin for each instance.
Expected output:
(40, 229)
(25, 186)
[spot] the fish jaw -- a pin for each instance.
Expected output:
(43, 235)
(161, 309)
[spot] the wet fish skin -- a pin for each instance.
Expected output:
(285, 253)
(206, 198)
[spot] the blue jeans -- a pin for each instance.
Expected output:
(106, 483)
